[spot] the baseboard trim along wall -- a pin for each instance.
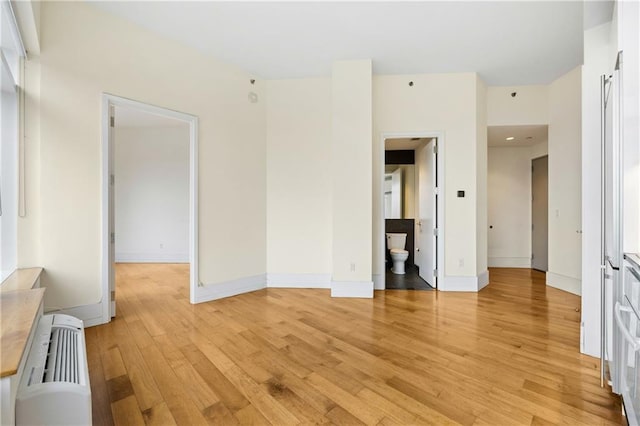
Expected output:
(483, 280)
(509, 262)
(378, 282)
(299, 280)
(473, 284)
(362, 289)
(230, 288)
(152, 257)
(89, 314)
(562, 282)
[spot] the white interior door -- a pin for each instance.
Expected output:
(426, 239)
(112, 240)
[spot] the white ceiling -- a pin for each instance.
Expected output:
(129, 117)
(496, 135)
(507, 42)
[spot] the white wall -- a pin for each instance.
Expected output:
(351, 163)
(152, 194)
(435, 103)
(82, 53)
(565, 167)
(481, 183)
(539, 150)
(629, 42)
(530, 105)
(299, 179)
(509, 186)
(299, 118)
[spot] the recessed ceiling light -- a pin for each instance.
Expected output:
(529, 137)
(510, 138)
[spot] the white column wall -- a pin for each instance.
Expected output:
(351, 165)
(565, 171)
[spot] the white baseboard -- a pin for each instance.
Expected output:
(216, 291)
(509, 262)
(470, 283)
(483, 280)
(299, 280)
(89, 314)
(562, 282)
(362, 289)
(152, 257)
(378, 281)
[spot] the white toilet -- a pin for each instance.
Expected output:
(396, 244)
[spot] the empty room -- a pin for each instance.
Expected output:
(319, 212)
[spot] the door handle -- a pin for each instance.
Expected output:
(635, 343)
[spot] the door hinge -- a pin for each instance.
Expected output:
(435, 149)
(532, 226)
(435, 232)
(113, 238)
(112, 121)
(435, 190)
(435, 272)
(532, 256)
(112, 179)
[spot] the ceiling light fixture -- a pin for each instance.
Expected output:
(510, 138)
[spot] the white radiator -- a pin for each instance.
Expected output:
(54, 388)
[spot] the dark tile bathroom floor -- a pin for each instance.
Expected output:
(409, 281)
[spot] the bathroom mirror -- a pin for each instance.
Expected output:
(399, 191)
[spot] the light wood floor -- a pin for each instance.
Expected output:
(507, 355)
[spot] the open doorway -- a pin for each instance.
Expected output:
(149, 190)
(410, 204)
(512, 150)
(540, 213)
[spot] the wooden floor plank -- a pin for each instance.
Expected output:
(159, 415)
(102, 414)
(127, 412)
(506, 355)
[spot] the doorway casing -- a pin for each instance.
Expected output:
(108, 103)
(379, 279)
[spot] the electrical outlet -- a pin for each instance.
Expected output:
(353, 267)
(161, 245)
(461, 263)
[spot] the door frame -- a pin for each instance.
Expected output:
(440, 158)
(108, 102)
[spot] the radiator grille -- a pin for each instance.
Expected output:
(62, 359)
